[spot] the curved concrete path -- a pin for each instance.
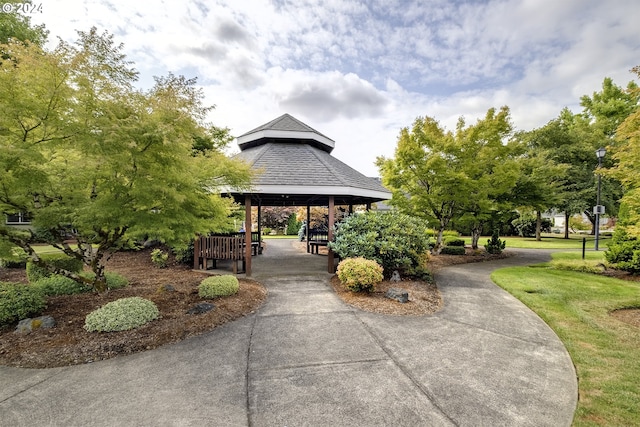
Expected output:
(306, 358)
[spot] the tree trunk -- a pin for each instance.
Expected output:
(438, 247)
(538, 225)
(566, 224)
(475, 236)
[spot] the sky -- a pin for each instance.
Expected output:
(360, 71)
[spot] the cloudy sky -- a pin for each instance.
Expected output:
(359, 71)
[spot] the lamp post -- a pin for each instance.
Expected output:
(599, 209)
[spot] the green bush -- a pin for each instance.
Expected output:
(184, 252)
(60, 285)
(359, 274)
(218, 286)
(18, 301)
(452, 250)
(293, 225)
(623, 252)
(525, 226)
(114, 280)
(394, 240)
(159, 258)
(14, 258)
(121, 315)
(61, 261)
(453, 241)
(494, 244)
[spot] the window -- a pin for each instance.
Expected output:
(18, 218)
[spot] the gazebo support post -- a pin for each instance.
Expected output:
(247, 234)
(259, 224)
(331, 267)
(306, 229)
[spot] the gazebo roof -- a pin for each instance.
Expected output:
(294, 167)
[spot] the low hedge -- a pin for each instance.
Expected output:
(453, 241)
(452, 250)
(18, 301)
(61, 261)
(122, 315)
(218, 286)
(60, 285)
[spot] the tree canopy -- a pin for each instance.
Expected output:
(86, 155)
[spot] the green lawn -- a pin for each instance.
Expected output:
(549, 241)
(605, 351)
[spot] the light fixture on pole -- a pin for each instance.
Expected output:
(599, 209)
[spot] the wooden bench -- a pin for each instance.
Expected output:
(214, 248)
(256, 244)
(317, 239)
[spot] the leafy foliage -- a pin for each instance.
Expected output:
(441, 175)
(122, 315)
(453, 250)
(88, 156)
(113, 280)
(218, 286)
(60, 285)
(526, 225)
(293, 225)
(18, 301)
(159, 258)
(55, 262)
(395, 241)
(494, 244)
(359, 274)
(453, 241)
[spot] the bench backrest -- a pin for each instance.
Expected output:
(220, 247)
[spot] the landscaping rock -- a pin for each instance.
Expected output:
(26, 326)
(201, 308)
(395, 276)
(167, 288)
(399, 295)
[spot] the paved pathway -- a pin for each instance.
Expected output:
(306, 358)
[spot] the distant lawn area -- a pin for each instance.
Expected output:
(605, 350)
(549, 241)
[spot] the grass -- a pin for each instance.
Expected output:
(549, 241)
(605, 351)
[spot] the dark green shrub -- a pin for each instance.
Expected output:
(121, 315)
(452, 250)
(60, 285)
(184, 253)
(218, 286)
(359, 274)
(58, 260)
(293, 225)
(394, 240)
(13, 257)
(525, 226)
(623, 252)
(453, 241)
(494, 244)
(18, 301)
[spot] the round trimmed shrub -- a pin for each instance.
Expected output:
(61, 261)
(18, 301)
(60, 285)
(394, 240)
(359, 274)
(218, 286)
(121, 315)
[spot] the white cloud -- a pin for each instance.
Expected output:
(360, 71)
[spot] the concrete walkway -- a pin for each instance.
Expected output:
(306, 358)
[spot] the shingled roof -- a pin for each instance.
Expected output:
(294, 166)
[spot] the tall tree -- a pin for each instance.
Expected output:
(14, 25)
(84, 153)
(626, 152)
(440, 175)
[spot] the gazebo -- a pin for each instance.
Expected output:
(293, 166)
